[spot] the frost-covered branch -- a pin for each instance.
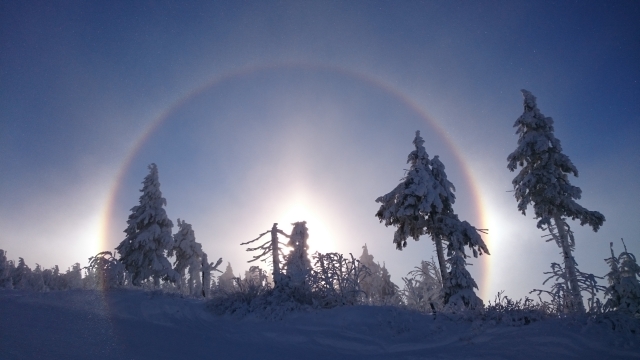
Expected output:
(269, 247)
(335, 279)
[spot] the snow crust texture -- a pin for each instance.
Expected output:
(136, 324)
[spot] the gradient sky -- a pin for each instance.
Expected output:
(262, 112)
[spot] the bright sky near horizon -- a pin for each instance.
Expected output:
(263, 112)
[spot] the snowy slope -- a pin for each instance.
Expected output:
(132, 324)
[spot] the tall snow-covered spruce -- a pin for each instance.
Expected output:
(143, 251)
(422, 204)
(413, 204)
(543, 181)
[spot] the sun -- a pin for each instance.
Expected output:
(320, 237)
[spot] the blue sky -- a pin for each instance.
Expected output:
(303, 111)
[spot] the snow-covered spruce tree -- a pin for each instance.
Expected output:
(371, 283)
(297, 266)
(5, 271)
(367, 259)
(73, 277)
(423, 204)
(543, 181)
(270, 247)
(297, 262)
(389, 291)
(255, 277)
(188, 253)
(623, 292)
(448, 198)
(143, 251)
(225, 281)
(52, 278)
(459, 285)
(36, 281)
(376, 282)
(21, 275)
(415, 202)
(107, 270)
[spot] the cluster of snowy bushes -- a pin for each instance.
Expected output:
(421, 204)
(22, 277)
(331, 280)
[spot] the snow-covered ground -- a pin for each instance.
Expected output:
(134, 324)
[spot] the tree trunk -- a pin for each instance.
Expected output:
(181, 281)
(275, 254)
(441, 262)
(569, 265)
(206, 276)
(204, 294)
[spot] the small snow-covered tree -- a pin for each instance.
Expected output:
(36, 281)
(371, 283)
(107, 270)
(188, 253)
(376, 282)
(389, 291)
(143, 251)
(297, 266)
(543, 182)
(73, 276)
(5, 271)
(423, 287)
(459, 285)
(20, 275)
(423, 204)
(255, 276)
(225, 281)
(53, 279)
(623, 292)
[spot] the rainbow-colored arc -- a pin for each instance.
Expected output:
(368, 79)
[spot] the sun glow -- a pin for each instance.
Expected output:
(320, 237)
